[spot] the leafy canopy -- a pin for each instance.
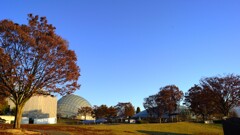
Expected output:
(34, 60)
(33, 57)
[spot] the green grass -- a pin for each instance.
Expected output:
(180, 128)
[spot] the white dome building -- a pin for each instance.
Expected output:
(67, 106)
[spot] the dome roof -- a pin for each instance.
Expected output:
(68, 105)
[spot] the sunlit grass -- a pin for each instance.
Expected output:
(162, 129)
(180, 128)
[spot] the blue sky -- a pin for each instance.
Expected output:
(128, 49)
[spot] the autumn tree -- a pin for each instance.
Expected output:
(150, 104)
(100, 111)
(4, 108)
(154, 108)
(226, 91)
(125, 110)
(34, 60)
(199, 101)
(129, 110)
(165, 101)
(169, 98)
(111, 112)
(103, 111)
(85, 111)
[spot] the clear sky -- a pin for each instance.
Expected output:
(128, 49)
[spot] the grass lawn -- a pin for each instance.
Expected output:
(180, 128)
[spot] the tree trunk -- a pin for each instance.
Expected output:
(160, 120)
(18, 116)
(203, 117)
(169, 117)
(226, 114)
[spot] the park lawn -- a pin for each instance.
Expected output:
(179, 128)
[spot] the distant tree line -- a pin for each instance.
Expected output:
(121, 111)
(213, 96)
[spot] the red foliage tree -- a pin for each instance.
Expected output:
(104, 111)
(199, 101)
(165, 101)
(214, 95)
(129, 110)
(100, 111)
(111, 112)
(34, 60)
(225, 91)
(169, 98)
(4, 108)
(154, 108)
(125, 110)
(85, 111)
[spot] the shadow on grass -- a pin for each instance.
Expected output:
(159, 133)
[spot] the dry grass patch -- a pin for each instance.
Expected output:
(181, 128)
(18, 132)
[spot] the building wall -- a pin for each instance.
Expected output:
(45, 121)
(25, 120)
(42, 106)
(7, 118)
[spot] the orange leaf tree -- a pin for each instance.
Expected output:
(167, 100)
(85, 111)
(199, 101)
(34, 60)
(170, 97)
(225, 91)
(125, 110)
